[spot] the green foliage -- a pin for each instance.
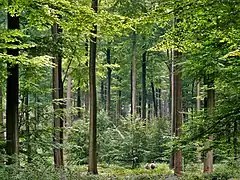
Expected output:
(121, 142)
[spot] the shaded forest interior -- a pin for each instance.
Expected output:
(119, 89)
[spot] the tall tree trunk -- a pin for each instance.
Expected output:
(154, 99)
(12, 97)
(149, 110)
(118, 106)
(86, 96)
(209, 103)
(58, 107)
(134, 75)
(69, 102)
(79, 102)
(109, 73)
(92, 161)
(159, 103)
(144, 90)
(176, 110)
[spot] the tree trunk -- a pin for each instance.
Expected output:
(69, 103)
(154, 99)
(103, 94)
(57, 106)
(144, 90)
(118, 106)
(109, 73)
(159, 102)
(134, 76)
(86, 96)
(12, 97)
(209, 104)
(176, 111)
(92, 161)
(79, 103)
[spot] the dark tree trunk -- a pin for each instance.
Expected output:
(209, 103)
(144, 90)
(58, 106)
(159, 103)
(12, 97)
(134, 75)
(109, 73)
(154, 99)
(86, 96)
(92, 158)
(79, 103)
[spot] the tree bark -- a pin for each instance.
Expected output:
(69, 102)
(144, 90)
(118, 106)
(176, 110)
(79, 103)
(154, 99)
(198, 105)
(134, 76)
(12, 97)
(109, 73)
(159, 103)
(209, 103)
(57, 103)
(86, 96)
(92, 161)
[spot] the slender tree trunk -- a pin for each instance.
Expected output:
(154, 99)
(12, 97)
(109, 73)
(69, 102)
(86, 96)
(57, 95)
(92, 158)
(134, 76)
(149, 110)
(159, 102)
(79, 103)
(209, 104)
(144, 90)
(118, 106)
